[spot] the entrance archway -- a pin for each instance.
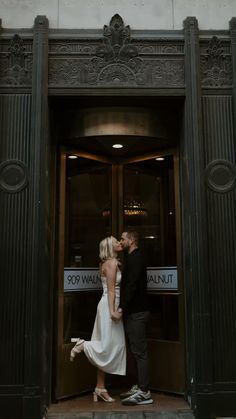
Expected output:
(103, 191)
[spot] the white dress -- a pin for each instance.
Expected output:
(106, 349)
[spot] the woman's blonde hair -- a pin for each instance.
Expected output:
(106, 250)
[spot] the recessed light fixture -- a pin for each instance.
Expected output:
(117, 146)
(150, 237)
(160, 158)
(72, 156)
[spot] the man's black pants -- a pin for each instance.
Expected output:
(135, 327)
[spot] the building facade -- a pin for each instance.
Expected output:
(50, 74)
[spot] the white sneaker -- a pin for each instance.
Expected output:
(130, 392)
(140, 397)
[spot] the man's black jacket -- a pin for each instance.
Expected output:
(133, 290)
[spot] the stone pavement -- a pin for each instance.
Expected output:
(123, 415)
(82, 407)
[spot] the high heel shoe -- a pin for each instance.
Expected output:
(98, 392)
(76, 349)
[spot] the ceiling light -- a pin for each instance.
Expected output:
(72, 156)
(160, 158)
(117, 146)
(150, 237)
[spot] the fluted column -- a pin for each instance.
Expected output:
(197, 297)
(37, 234)
(233, 48)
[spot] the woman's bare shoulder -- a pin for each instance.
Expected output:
(111, 263)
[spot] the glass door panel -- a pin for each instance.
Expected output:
(85, 191)
(149, 208)
(88, 194)
(99, 198)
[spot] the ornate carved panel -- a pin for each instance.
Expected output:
(16, 63)
(216, 64)
(116, 60)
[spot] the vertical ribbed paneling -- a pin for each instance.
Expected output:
(219, 144)
(194, 237)
(14, 144)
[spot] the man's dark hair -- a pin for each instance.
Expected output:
(134, 235)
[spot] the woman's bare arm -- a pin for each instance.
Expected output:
(110, 269)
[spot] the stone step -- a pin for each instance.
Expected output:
(180, 414)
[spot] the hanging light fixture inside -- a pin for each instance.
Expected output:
(135, 208)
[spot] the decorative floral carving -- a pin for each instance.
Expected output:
(162, 48)
(117, 46)
(63, 47)
(216, 65)
(168, 72)
(116, 60)
(67, 71)
(73, 47)
(116, 42)
(16, 65)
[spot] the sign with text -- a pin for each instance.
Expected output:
(88, 279)
(82, 279)
(164, 278)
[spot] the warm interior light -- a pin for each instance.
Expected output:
(135, 208)
(160, 158)
(131, 208)
(150, 237)
(106, 212)
(72, 156)
(117, 146)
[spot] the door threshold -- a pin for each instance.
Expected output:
(164, 407)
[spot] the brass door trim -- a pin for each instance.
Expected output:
(120, 194)
(114, 207)
(86, 155)
(60, 292)
(143, 157)
(178, 246)
(166, 293)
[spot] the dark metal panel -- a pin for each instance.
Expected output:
(14, 153)
(15, 127)
(219, 150)
(38, 290)
(197, 299)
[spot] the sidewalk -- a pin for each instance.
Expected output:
(82, 407)
(124, 415)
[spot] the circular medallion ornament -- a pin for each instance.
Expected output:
(221, 176)
(116, 74)
(13, 176)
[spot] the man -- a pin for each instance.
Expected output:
(134, 307)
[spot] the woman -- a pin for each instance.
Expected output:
(106, 349)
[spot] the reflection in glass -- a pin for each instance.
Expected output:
(88, 192)
(149, 208)
(164, 320)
